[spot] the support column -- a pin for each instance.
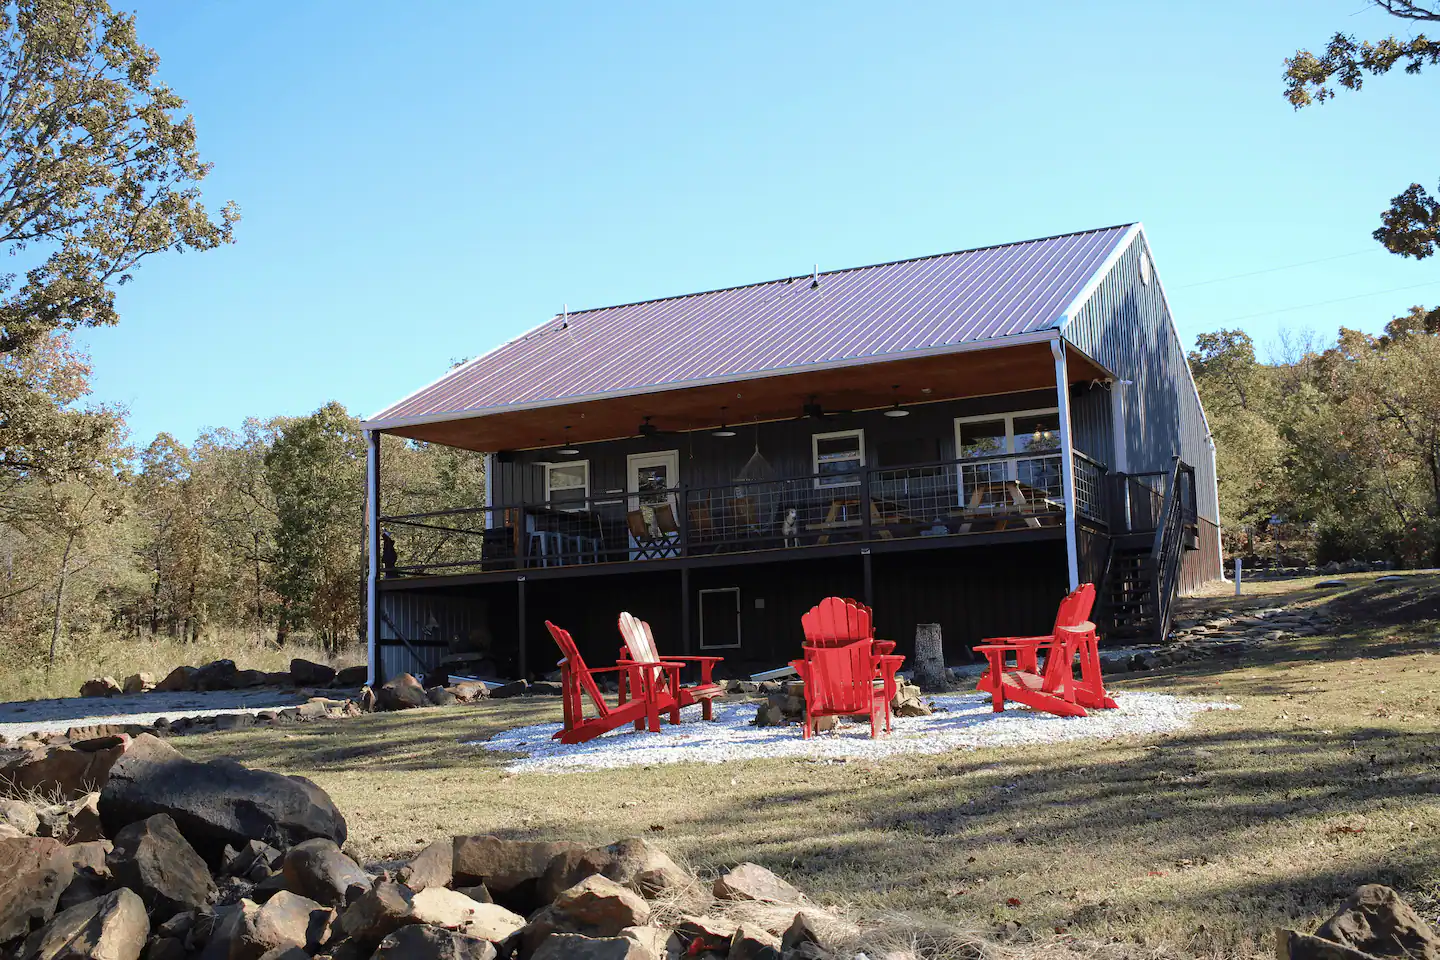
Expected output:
(372, 573)
(520, 658)
(868, 583)
(1120, 460)
(685, 636)
(1067, 460)
(1215, 503)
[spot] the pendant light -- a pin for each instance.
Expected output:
(723, 431)
(897, 410)
(566, 450)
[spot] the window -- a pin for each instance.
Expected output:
(838, 458)
(1145, 268)
(567, 483)
(1032, 436)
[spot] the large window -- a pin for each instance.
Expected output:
(567, 485)
(1016, 456)
(838, 458)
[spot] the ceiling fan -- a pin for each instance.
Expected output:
(814, 411)
(648, 429)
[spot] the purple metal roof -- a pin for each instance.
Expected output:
(877, 311)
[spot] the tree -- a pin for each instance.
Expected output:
(1410, 227)
(98, 170)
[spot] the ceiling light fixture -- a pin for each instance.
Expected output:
(566, 450)
(723, 431)
(897, 410)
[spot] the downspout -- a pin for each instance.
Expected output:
(1067, 460)
(1215, 496)
(1121, 443)
(372, 529)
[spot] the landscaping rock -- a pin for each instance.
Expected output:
(181, 679)
(61, 770)
(632, 862)
(285, 921)
(479, 893)
(239, 863)
(750, 943)
(431, 867)
(74, 821)
(138, 683)
(705, 934)
(307, 673)
(770, 715)
(515, 688)
(154, 860)
(317, 869)
(91, 857)
(420, 942)
(216, 803)
(467, 691)
(574, 946)
(441, 697)
(402, 693)
(750, 881)
(1376, 921)
(34, 872)
(453, 910)
(216, 675)
(233, 721)
(100, 687)
(799, 934)
(20, 815)
(504, 865)
(352, 676)
(908, 702)
(381, 910)
(657, 941)
(602, 906)
(244, 679)
(112, 927)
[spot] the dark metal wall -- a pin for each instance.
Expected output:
(927, 435)
(1126, 326)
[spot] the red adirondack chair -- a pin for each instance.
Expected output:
(578, 681)
(639, 647)
(836, 621)
(1055, 690)
(1074, 610)
(840, 682)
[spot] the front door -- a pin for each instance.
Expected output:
(649, 479)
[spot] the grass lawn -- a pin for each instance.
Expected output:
(1196, 843)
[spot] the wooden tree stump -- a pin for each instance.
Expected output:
(930, 672)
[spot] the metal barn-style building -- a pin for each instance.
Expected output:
(956, 439)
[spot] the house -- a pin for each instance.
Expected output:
(955, 439)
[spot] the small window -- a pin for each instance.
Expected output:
(838, 458)
(567, 483)
(1037, 432)
(1145, 267)
(981, 438)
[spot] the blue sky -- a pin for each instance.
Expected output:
(422, 181)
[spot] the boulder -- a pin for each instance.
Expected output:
(285, 921)
(479, 893)
(377, 913)
(352, 676)
(420, 942)
(217, 675)
(165, 948)
(633, 862)
(72, 821)
(770, 715)
(60, 770)
(317, 869)
(504, 865)
(451, 909)
(100, 687)
(233, 721)
(908, 702)
(179, 680)
(1376, 921)
(750, 881)
(574, 946)
(799, 932)
(515, 688)
(34, 872)
(752, 943)
(240, 863)
(467, 691)
(244, 679)
(112, 927)
(441, 697)
(601, 907)
(91, 857)
(20, 815)
(1294, 945)
(403, 692)
(705, 934)
(430, 868)
(216, 803)
(308, 673)
(139, 683)
(154, 860)
(657, 941)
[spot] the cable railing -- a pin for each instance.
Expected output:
(1006, 492)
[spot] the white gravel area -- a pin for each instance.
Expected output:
(960, 722)
(57, 716)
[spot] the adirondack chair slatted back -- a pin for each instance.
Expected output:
(576, 665)
(639, 641)
(1075, 608)
(843, 677)
(834, 621)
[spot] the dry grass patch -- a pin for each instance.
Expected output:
(1197, 843)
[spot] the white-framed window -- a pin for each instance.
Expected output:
(1145, 268)
(1029, 443)
(566, 483)
(838, 457)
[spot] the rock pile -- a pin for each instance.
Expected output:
(1374, 922)
(1200, 638)
(224, 675)
(785, 703)
(216, 861)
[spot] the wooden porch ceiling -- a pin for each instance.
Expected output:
(951, 376)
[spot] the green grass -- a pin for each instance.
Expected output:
(1198, 843)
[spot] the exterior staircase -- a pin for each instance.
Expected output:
(1142, 574)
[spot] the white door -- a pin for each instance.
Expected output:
(649, 479)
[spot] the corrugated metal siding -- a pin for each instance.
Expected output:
(1199, 567)
(432, 622)
(876, 311)
(1126, 326)
(1091, 422)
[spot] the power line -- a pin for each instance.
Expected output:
(1323, 303)
(1288, 266)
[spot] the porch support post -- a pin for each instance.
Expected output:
(1121, 443)
(372, 573)
(868, 583)
(685, 610)
(1067, 460)
(520, 658)
(1215, 503)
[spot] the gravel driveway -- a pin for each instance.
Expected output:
(57, 716)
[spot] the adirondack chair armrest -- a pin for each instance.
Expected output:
(707, 666)
(885, 648)
(889, 664)
(1018, 641)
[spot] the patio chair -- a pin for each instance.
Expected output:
(1074, 609)
(840, 682)
(1057, 690)
(578, 681)
(639, 647)
(648, 545)
(836, 621)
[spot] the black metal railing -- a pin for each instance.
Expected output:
(944, 498)
(1178, 516)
